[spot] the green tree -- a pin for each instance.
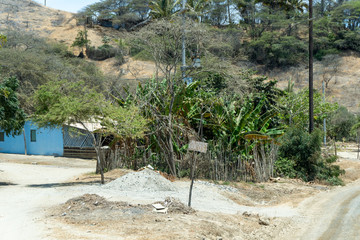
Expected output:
(164, 8)
(247, 11)
(217, 14)
(198, 7)
(287, 5)
(62, 103)
(12, 117)
(294, 111)
(121, 13)
(3, 40)
(275, 50)
(81, 40)
(340, 124)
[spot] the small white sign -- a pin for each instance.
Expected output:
(198, 146)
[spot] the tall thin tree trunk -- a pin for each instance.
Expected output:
(97, 150)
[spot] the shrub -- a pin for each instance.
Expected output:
(304, 149)
(301, 151)
(274, 50)
(340, 123)
(285, 167)
(101, 53)
(221, 49)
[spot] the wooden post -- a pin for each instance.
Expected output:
(193, 165)
(195, 147)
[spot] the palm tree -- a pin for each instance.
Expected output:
(164, 8)
(197, 7)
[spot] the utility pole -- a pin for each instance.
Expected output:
(183, 67)
(311, 68)
(45, 2)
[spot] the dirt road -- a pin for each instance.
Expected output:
(334, 214)
(330, 215)
(26, 190)
(30, 186)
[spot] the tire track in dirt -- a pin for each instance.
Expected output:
(331, 215)
(345, 224)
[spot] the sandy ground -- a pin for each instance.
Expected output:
(27, 189)
(35, 193)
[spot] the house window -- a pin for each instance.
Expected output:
(33, 135)
(2, 137)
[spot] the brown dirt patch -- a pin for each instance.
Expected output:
(91, 216)
(352, 170)
(284, 191)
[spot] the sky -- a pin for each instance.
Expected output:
(67, 5)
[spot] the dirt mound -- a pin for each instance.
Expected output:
(176, 206)
(93, 208)
(87, 201)
(145, 180)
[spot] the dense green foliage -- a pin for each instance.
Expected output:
(303, 151)
(63, 102)
(295, 111)
(199, 112)
(273, 50)
(12, 117)
(60, 103)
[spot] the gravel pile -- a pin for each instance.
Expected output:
(145, 180)
(221, 187)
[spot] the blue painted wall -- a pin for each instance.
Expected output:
(48, 142)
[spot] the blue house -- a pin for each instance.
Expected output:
(39, 141)
(68, 141)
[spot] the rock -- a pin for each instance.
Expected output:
(264, 221)
(246, 214)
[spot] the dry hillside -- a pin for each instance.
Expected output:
(343, 73)
(26, 15)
